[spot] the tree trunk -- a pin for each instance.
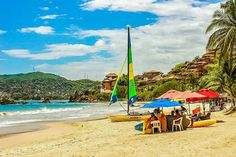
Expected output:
(233, 101)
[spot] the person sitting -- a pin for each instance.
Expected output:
(153, 117)
(148, 127)
(162, 118)
(205, 117)
(157, 111)
(196, 114)
(222, 105)
(177, 114)
(170, 119)
(183, 110)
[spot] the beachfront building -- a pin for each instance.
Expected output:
(108, 83)
(152, 75)
(198, 66)
(149, 77)
(195, 68)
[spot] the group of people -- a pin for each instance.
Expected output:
(156, 115)
(160, 116)
(179, 113)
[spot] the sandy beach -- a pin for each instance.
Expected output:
(104, 138)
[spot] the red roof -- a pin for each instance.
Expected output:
(111, 75)
(209, 93)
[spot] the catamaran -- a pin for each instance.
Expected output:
(132, 94)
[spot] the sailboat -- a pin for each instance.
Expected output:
(131, 93)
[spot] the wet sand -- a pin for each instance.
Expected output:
(36, 126)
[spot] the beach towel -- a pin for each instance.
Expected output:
(162, 118)
(146, 128)
(196, 110)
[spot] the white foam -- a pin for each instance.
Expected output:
(43, 110)
(55, 114)
(12, 123)
(75, 117)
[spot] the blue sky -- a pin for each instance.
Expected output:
(88, 37)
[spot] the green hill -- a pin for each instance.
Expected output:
(29, 76)
(39, 85)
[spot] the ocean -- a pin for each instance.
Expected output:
(57, 110)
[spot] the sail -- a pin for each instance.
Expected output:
(132, 96)
(114, 97)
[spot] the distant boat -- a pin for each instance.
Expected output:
(131, 93)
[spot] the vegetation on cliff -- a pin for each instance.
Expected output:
(38, 85)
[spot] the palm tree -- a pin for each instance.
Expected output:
(223, 31)
(221, 77)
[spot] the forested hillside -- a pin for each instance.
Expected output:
(39, 85)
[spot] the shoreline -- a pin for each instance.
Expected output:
(42, 125)
(95, 103)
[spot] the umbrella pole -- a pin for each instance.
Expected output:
(209, 107)
(203, 105)
(189, 109)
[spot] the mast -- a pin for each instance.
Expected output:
(128, 67)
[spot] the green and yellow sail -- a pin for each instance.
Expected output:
(114, 97)
(132, 96)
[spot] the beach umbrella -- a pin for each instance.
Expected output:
(192, 96)
(171, 94)
(209, 93)
(162, 103)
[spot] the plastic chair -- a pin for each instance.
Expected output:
(177, 123)
(156, 125)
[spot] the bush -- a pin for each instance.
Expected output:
(162, 88)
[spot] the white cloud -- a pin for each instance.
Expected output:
(177, 36)
(2, 32)
(94, 69)
(160, 8)
(39, 30)
(158, 46)
(50, 17)
(44, 8)
(56, 51)
(19, 53)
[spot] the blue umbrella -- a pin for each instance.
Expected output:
(162, 103)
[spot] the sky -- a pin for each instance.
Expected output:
(80, 39)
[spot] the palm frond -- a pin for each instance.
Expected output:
(218, 14)
(216, 38)
(229, 41)
(218, 24)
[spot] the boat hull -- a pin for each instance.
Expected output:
(122, 118)
(204, 123)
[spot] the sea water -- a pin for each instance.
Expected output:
(57, 110)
